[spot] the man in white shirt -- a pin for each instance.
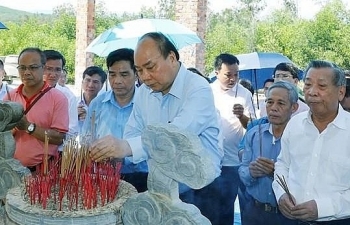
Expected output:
(314, 158)
(53, 69)
(4, 88)
(236, 108)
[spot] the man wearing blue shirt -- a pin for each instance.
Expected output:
(262, 146)
(112, 109)
(169, 94)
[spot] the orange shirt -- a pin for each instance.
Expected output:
(49, 112)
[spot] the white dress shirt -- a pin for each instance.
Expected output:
(316, 165)
(232, 128)
(3, 90)
(72, 110)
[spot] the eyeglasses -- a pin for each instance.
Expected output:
(53, 69)
(31, 68)
(282, 76)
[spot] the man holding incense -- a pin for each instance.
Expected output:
(169, 94)
(46, 111)
(312, 184)
(112, 110)
(262, 146)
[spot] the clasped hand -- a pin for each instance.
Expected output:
(306, 211)
(261, 167)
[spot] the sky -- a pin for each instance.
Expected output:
(307, 8)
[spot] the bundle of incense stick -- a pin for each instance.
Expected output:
(93, 129)
(46, 153)
(282, 182)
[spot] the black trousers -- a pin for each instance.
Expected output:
(137, 179)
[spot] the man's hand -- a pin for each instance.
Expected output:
(285, 205)
(306, 211)
(109, 147)
(238, 110)
(81, 112)
(23, 123)
(261, 167)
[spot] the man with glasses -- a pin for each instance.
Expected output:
(112, 110)
(289, 72)
(53, 69)
(46, 111)
(93, 79)
(169, 94)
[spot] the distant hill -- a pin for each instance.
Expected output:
(16, 16)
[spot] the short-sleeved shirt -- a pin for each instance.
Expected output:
(49, 112)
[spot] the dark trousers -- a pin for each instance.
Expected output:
(216, 200)
(137, 179)
(256, 215)
(332, 222)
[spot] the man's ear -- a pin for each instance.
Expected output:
(341, 94)
(172, 56)
(295, 107)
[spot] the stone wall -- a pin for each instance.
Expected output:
(85, 33)
(193, 14)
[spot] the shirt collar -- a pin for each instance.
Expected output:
(339, 121)
(21, 86)
(177, 88)
(109, 96)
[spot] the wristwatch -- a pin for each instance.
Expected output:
(31, 128)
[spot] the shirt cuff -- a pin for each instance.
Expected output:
(324, 207)
(138, 154)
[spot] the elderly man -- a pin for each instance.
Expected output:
(169, 94)
(262, 146)
(46, 110)
(314, 158)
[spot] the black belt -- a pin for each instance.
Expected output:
(265, 207)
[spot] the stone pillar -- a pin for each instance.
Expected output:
(193, 14)
(85, 33)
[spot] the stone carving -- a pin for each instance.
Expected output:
(11, 170)
(175, 156)
(20, 211)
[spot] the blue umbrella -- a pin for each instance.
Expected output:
(126, 35)
(2, 26)
(259, 66)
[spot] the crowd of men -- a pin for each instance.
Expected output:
(299, 139)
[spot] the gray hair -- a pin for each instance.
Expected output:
(291, 89)
(339, 76)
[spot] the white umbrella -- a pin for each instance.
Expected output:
(126, 35)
